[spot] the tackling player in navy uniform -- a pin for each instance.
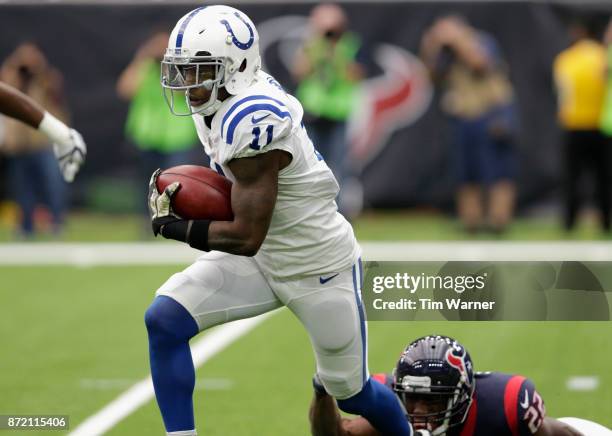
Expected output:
(435, 382)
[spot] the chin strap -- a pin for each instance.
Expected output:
(442, 429)
(439, 431)
(211, 108)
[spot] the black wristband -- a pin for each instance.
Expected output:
(194, 232)
(176, 230)
(197, 234)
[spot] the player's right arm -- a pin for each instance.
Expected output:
(253, 198)
(69, 147)
(255, 151)
(325, 419)
(552, 427)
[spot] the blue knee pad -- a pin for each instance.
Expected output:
(167, 320)
(170, 326)
(380, 406)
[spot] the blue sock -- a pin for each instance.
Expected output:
(379, 405)
(170, 327)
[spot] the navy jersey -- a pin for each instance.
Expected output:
(503, 405)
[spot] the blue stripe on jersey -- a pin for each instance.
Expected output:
(179, 37)
(360, 273)
(249, 110)
(219, 169)
(361, 319)
(244, 100)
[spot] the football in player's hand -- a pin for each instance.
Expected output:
(203, 194)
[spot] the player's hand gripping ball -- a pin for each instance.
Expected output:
(202, 193)
(160, 204)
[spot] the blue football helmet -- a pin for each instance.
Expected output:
(434, 378)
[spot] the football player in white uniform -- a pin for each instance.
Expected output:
(68, 144)
(287, 244)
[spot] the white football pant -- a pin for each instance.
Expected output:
(221, 287)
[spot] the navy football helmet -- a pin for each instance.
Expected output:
(434, 378)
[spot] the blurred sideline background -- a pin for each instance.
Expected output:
(71, 310)
(400, 142)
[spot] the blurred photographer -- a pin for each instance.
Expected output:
(478, 97)
(162, 139)
(34, 175)
(327, 70)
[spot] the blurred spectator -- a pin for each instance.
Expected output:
(478, 96)
(328, 71)
(606, 114)
(163, 139)
(33, 172)
(579, 73)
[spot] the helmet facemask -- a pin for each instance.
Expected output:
(180, 74)
(444, 408)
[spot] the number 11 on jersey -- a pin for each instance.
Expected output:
(257, 132)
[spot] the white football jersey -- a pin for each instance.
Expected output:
(307, 235)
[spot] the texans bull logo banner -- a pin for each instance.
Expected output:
(387, 102)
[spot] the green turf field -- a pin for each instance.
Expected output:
(73, 339)
(379, 225)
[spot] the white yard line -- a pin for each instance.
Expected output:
(153, 253)
(582, 383)
(142, 392)
(115, 384)
(487, 250)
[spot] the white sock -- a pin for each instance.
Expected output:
(183, 433)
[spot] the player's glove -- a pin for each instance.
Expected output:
(160, 205)
(167, 223)
(68, 145)
(422, 433)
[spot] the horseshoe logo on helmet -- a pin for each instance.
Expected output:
(237, 43)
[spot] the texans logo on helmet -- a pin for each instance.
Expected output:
(455, 356)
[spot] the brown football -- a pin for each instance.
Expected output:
(204, 194)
